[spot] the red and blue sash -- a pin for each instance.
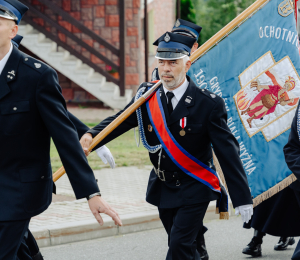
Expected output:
(184, 160)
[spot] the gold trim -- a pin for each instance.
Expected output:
(274, 190)
(260, 130)
(292, 5)
(224, 215)
(268, 140)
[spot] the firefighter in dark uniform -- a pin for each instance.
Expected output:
(32, 110)
(28, 245)
(192, 30)
(196, 119)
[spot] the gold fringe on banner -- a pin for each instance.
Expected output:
(224, 215)
(219, 171)
(262, 197)
(274, 190)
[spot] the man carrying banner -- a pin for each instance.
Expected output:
(192, 30)
(33, 110)
(178, 125)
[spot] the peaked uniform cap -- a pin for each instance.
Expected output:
(12, 10)
(187, 28)
(173, 46)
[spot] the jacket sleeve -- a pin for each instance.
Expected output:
(126, 125)
(80, 127)
(52, 108)
(292, 149)
(227, 151)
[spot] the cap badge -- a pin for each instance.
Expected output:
(177, 24)
(167, 38)
(37, 65)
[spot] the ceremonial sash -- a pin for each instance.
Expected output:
(184, 160)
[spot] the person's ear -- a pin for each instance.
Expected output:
(187, 66)
(14, 31)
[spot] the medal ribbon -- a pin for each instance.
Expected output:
(182, 122)
(184, 160)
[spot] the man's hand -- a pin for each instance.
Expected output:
(246, 212)
(98, 205)
(104, 153)
(85, 142)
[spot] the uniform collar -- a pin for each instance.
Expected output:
(182, 108)
(9, 72)
(5, 59)
(178, 92)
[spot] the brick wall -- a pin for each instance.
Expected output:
(102, 17)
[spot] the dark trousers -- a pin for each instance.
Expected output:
(183, 226)
(16, 241)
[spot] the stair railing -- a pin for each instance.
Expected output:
(34, 12)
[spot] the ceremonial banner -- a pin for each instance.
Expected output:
(255, 69)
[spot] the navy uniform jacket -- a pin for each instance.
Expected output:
(32, 110)
(206, 126)
(292, 152)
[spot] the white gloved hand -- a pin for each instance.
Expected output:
(246, 212)
(104, 153)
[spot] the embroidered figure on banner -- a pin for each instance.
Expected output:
(269, 96)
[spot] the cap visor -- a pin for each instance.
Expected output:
(169, 55)
(6, 16)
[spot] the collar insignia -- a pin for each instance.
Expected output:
(213, 95)
(37, 65)
(12, 73)
(188, 100)
(167, 38)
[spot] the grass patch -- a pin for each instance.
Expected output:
(123, 148)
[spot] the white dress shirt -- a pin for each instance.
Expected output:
(178, 93)
(5, 59)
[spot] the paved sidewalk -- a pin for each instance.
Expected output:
(70, 220)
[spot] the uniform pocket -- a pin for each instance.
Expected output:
(36, 184)
(15, 117)
(193, 128)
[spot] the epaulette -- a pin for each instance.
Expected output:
(209, 94)
(35, 64)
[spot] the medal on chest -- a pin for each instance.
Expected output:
(182, 123)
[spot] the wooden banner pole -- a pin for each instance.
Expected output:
(202, 49)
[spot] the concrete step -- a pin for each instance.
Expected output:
(73, 68)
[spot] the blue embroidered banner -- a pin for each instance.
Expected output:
(256, 71)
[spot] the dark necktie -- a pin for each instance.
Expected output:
(170, 95)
